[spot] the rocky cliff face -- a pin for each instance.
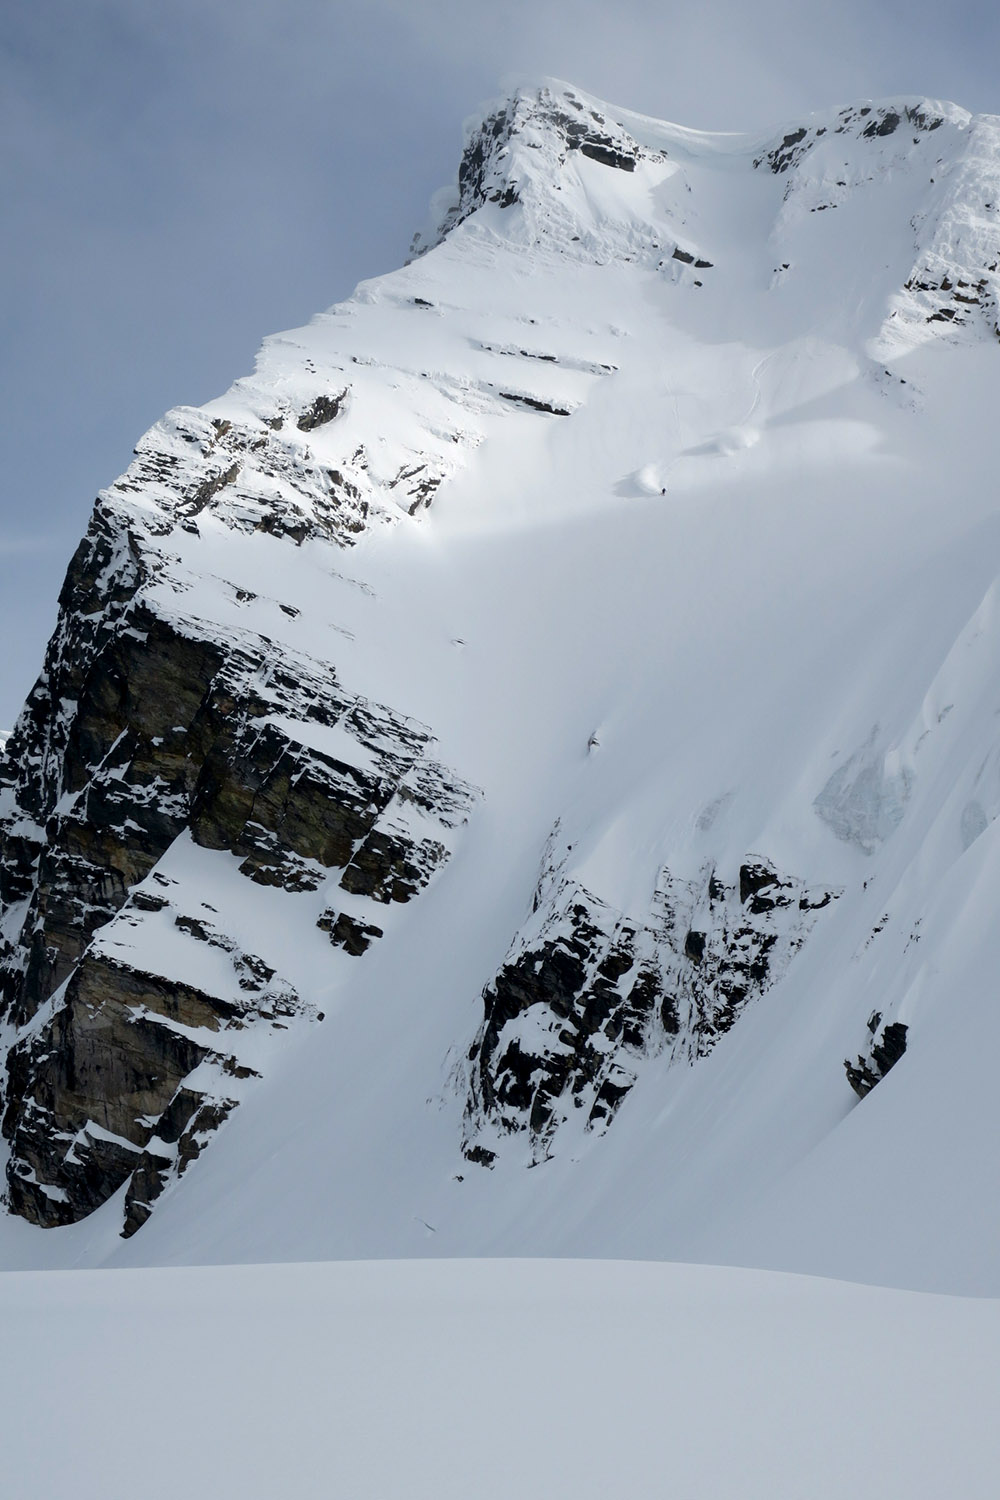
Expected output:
(153, 726)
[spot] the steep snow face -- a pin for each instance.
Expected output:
(568, 667)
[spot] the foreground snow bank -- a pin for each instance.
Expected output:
(492, 1378)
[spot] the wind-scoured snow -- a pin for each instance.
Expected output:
(683, 538)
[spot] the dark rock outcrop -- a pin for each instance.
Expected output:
(322, 410)
(587, 991)
(864, 121)
(883, 1052)
(348, 933)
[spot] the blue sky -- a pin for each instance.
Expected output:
(180, 178)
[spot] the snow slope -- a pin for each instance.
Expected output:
(683, 539)
(560, 1378)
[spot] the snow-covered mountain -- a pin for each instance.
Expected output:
(518, 773)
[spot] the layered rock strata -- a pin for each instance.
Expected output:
(154, 729)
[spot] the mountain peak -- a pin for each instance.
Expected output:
(544, 716)
(516, 147)
(556, 172)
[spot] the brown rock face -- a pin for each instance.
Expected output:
(84, 1088)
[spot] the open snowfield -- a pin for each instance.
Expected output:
(483, 1380)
